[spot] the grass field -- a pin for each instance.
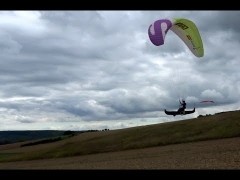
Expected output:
(224, 125)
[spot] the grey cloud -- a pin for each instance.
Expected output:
(83, 67)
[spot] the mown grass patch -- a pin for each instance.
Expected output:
(7, 155)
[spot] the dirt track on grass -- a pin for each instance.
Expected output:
(214, 154)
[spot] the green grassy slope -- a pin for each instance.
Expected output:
(221, 125)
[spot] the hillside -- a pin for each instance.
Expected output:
(7, 137)
(218, 126)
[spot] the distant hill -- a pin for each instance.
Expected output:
(7, 137)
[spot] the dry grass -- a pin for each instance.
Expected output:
(212, 154)
(203, 143)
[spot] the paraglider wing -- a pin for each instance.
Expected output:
(174, 113)
(205, 101)
(188, 32)
(185, 29)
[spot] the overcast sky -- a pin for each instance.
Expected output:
(81, 70)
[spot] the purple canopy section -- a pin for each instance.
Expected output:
(158, 30)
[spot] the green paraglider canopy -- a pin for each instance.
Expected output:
(185, 29)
